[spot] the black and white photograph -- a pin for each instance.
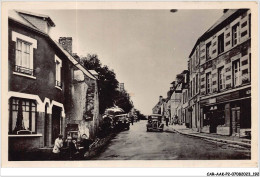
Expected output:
(112, 84)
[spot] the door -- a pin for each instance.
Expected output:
(56, 122)
(45, 125)
(212, 122)
(235, 120)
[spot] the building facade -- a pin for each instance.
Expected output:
(220, 82)
(41, 80)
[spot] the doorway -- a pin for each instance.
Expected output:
(212, 122)
(56, 122)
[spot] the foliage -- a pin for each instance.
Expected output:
(107, 84)
(140, 115)
(122, 100)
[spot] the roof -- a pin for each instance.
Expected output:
(75, 62)
(13, 15)
(121, 115)
(155, 115)
(49, 20)
(227, 17)
(221, 19)
(93, 72)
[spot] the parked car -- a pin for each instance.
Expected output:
(154, 123)
(121, 122)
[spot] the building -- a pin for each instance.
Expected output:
(180, 89)
(220, 65)
(83, 105)
(121, 87)
(158, 108)
(184, 114)
(194, 70)
(41, 83)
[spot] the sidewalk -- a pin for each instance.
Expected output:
(234, 140)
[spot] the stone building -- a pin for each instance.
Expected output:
(194, 91)
(83, 109)
(220, 73)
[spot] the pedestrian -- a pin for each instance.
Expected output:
(132, 120)
(167, 121)
(58, 144)
(84, 144)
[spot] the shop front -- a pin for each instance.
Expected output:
(227, 113)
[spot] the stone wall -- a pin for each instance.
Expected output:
(85, 105)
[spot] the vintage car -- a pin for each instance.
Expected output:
(155, 123)
(121, 121)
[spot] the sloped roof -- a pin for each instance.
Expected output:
(15, 16)
(12, 14)
(226, 17)
(49, 20)
(221, 19)
(75, 62)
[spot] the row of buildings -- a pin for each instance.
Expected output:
(214, 94)
(49, 91)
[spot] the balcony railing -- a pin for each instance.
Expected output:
(58, 84)
(24, 70)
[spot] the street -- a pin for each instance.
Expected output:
(137, 144)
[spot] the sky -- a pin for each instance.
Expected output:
(145, 48)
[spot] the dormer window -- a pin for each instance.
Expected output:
(58, 65)
(24, 54)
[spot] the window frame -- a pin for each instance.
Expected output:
(18, 68)
(58, 66)
(11, 110)
(235, 31)
(236, 63)
(208, 82)
(208, 45)
(221, 43)
(221, 78)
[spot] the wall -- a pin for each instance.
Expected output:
(231, 53)
(84, 109)
(44, 65)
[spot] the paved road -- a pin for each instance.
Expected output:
(137, 144)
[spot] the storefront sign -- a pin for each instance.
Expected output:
(213, 100)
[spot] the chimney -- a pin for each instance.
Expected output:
(160, 99)
(225, 10)
(66, 43)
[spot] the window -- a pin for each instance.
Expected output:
(221, 78)
(24, 53)
(58, 63)
(208, 82)
(197, 83)
(236, 73)
(249, 24)
(191, 88)
(221, 43)
(235, 34)
(197, 56)
(208, 51)
(22, 116)
(194, 84)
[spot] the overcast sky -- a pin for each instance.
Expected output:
(146, 48)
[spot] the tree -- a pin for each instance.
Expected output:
(123, 101)
(140, 115)
(107, 84)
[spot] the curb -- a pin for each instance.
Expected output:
(247, 145)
